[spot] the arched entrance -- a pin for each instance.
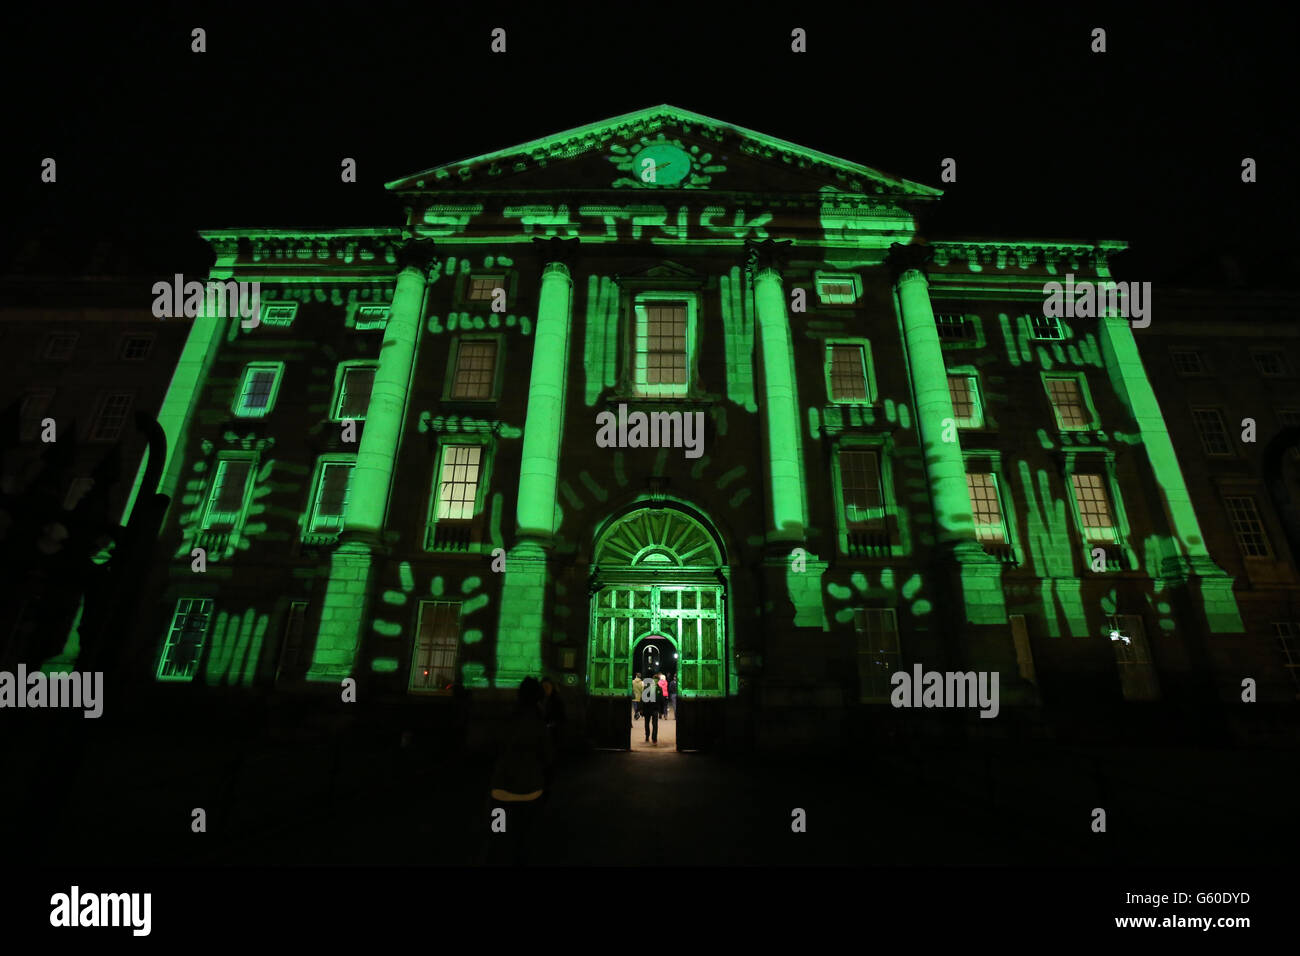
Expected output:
(658, 572)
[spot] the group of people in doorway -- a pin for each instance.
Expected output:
(651, 698)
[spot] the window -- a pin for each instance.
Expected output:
(330, 495)
(136, 348)
(292, 650)
(1290, 417)
(185, 639)
(436, 642)
(227, 495)
(986, 508)
(372, 317)
(1137, 674)
(877, 631)
(35, 404)
(1287, 635)
(1269, 363)
(280, 314)
(476, 366)
(847, 376)
(258, 389)
(59, 346)
(1209, 425)
(482, 288)
(458, 480)
(1046, 327)
(837, 289)
(1247, 526)
(352, 391)
(661, 355)
(864, 499)
(1187, 362)
(965, 394)
(111, 417)
(1069, 401)
(954, 328)
(1095, 512)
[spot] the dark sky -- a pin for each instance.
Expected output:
(1142, 143)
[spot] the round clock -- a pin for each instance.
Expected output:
(661, 165)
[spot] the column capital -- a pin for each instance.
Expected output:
(906, 259)
(765, 254)
(557, 248)
(416, 254)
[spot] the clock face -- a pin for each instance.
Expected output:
(661, 165)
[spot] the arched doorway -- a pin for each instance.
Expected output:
(658, 572)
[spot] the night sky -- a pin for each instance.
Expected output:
(1142, 143)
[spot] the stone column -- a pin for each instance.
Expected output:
(524, 593)
(346, 604)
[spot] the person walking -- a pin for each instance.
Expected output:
(519, 777)
(672, 694)
(663, 695)
(637, 686)
(650, 709)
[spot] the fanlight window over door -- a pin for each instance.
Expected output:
(658, 572)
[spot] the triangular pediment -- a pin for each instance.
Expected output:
(684, 151)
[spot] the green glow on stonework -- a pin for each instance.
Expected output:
(236, 646)
(785, 454)
(386, 628)
(464, 320)
(805, 591)
(1052, 553)
(342, 612)
(373, 474)
(539, 465)
(519, 627)
(600, 351)
(738, 338)
(945, 467)
(384, 665)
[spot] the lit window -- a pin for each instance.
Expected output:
(986, 509)
(954, 328)
(661, 351)
(330, 498)
(258, 389)
(135, 348)
(458, 479)
(185, 639)
(877, 631)
(1137, 674)
(372, 317)
(280, 314)
(837, 289)
(1067, 398)
(476, 365)
(1046, 327)
(1095, 512)
(848, 373)
(1269, 363)
(59, 346)
(862, 490)
(352, 398)
(227, 495)
(35, 404)
(482, 288)
(436, 643)
(113, 411)
(965, 395)
(1247, 526)
(1214, 437)
(1187, 362)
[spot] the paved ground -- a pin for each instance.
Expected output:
(115, 798)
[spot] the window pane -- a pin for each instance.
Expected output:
(848, 373)
(476, 364)
(112, 416)
(227, 499)
(258, 385)
(877, 632)
(1094, 507)
(986, 510)
(1214, 437)
(860, 482)
(354, 399)
(661, 360)
(437, 641)
(963, 390)
(1248, 527)
(458, 482)
(1067, 399)
(185, 639)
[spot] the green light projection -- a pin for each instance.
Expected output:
(781, 401)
